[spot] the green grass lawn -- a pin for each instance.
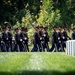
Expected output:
(36, 64)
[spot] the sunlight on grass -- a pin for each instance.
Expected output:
(40, 63)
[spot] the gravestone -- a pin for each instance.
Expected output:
(70, 47)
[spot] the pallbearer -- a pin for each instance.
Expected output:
(36, 40)
(25, 40)
(41, 37)
(16, 37)
(0, 39)
(65, 37)
(21, 36)
(54, 40)
(46, 38)
(4, 41)
(60, 39)
(9, 34)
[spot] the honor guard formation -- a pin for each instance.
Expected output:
(18, 42)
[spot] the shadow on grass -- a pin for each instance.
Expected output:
(39, 73)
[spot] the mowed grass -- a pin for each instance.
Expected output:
(36, 64)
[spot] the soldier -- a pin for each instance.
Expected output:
(25, 40)
(36, 40)
(21, 36)
(60, 39)
(65, 38)
(42, 41)
(54, 40)
(9, 34)
(4, 42)
(73, 34)
(41, 44)
(46, 38)
(0, 44)
(16, 37)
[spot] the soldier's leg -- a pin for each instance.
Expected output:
(52, 48)
(0, 47)
(27, 48)
(21, 47)
(40, 47)
(63, 46)
(3, 47)
(60, 48)
(34, 49)
(47, 47)
(8, 47)
(15, 48)
(11, 46)
(44, 47)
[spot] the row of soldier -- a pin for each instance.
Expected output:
(59, 38)
(19, 43)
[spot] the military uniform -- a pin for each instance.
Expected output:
(9, 34)
(0, 39)
(21, 36)
(60, 41)
(16, 37)
(25, 40)
(4, 40)
(46, 40)
(41, 37)
(54, 40)
(65, 38)
(41, 43)
(36, 40)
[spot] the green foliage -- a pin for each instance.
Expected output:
(11, 8)
(17, 25)
(44, 12)
(27, 19)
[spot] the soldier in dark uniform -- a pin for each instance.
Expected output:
(25, 40)
(73, 34)
(60, 39)
(0, 44)
(46, 38)
(16, 37)
(21, 36)
(4, 42)
(54, 40)
(65, 38)
(41, 44)
(9, 34)
(36, 40)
